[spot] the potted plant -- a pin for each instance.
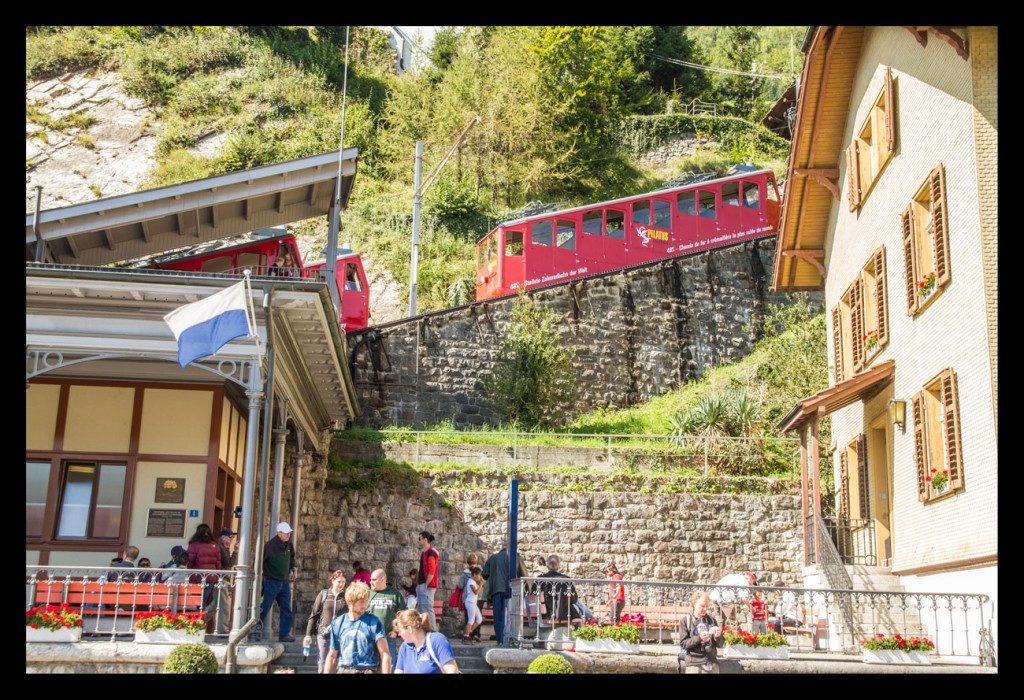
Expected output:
(53, 623)
(895, 649)
(870, 343)
(926, 286)
(191, 658)
(939, 481)
(623, 638)
(744, 645)
(550, 663)
(166, 628)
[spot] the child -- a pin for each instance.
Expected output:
(469, 597)
(408, 584)
(758, 614)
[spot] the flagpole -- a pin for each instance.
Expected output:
(251, 310)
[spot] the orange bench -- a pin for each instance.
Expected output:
(96, 598)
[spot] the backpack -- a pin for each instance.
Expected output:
(455, 600)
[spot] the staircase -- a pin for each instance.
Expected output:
(470, 658)
(292, 660)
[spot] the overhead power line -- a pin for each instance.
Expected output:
(717, 70)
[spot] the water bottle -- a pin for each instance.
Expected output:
(305, 653)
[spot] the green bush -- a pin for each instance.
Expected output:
(191, 658)
(550, 663)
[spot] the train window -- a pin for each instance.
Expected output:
(540, 233)
(642, 212)
(686, 203)
(750, 195)
(219, 264)
(592, 222)
(731, 194)
(615, 224)
(481, 253)
(254, 261)
(662, 214)
(492, 250)
(770, 188)
(566, 235)
(707, 204)
(513, 243)
(352, 281)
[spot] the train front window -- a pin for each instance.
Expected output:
(566, 235)
(219, 264)
(492, 251)
(731, 194)
(707, 204)
(540, 233)
(592, 223)
(352, 281)
(642, 212)
(662, 214)
(253, 261)
(773, 196)
(686, 203)
(615, 225)
(751, 197)
(513, 243)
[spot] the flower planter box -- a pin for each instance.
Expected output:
(607, 646)
(742, 651)
(888, 656)
(65, 634)
(162, 636)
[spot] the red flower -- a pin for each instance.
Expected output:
(927, 478)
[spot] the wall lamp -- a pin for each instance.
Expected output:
(898, 412)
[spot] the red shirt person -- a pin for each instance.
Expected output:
(427, 577)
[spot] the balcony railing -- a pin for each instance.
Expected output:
(108, 599)
(831, 620)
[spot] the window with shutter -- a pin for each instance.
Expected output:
(862, 477)
(856, 296)
(874, 144)
(837, 343)
(880, 296)
(926, 242)
(850, 325)
(874, 332)
(937, 447)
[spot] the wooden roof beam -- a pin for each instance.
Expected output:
(823, 176)
(109, 238)
(921, 36)
(811, 257)
(950, 37)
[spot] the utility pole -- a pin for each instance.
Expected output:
(417, 198)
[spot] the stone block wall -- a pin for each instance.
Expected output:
(635, 334)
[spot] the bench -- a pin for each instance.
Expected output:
(120, 599)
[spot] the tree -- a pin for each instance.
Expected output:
(532, 382)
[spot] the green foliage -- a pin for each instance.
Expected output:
(895, 642)
(639, 134)
(532, 380)
(57, 50)
(550, 663)
(461, 291)
(625, 632)
(191, 658)
(769, 640)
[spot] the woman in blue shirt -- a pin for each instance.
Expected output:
(424, 651)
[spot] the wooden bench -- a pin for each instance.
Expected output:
(119, 599)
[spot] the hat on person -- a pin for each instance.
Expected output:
(177, 549)
(227, 532)
(284, 527)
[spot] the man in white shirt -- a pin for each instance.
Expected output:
(726, 597)
(787, 612)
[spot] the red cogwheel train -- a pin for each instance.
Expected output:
(550, 247)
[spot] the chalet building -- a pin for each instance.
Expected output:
(891, 209)
(123, 445)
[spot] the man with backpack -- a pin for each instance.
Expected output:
(700, 636)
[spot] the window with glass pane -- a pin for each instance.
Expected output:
(592, 223)
(92, 499)
(642, 212)
(707, 204)
(540, 232)
(731, 194)
(662, 214)
(686, 203)
(513, 243)
(615, 225)
(37, 482)
(566, 235)
(751, 197)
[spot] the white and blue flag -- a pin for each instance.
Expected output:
(205, 326)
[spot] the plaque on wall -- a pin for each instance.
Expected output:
(165, 523)
(170, 490)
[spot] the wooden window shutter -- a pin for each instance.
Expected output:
(837, 342)
(951, 429)
(920, 459)
(862, 476)
(853, 175)
(890, 112)
(909, 262)
(940, 225)
(857, 323)
(881, 295)
(844, 485)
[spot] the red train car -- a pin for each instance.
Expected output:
(552, 247)
(258, 252)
